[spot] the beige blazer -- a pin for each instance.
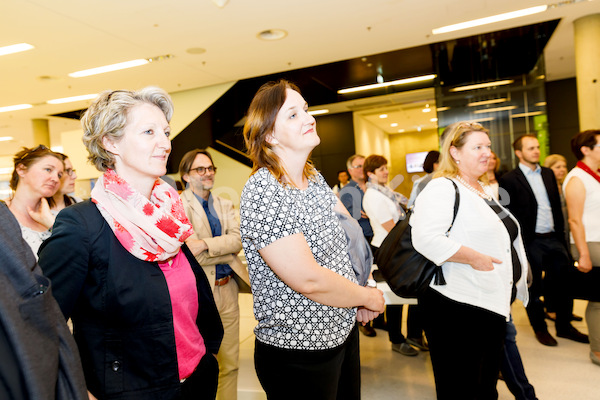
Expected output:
(221, 249)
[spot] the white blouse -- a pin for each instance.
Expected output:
(476, 226)
(591, 207)
(379, 208)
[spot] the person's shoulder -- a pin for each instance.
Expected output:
(510, 175)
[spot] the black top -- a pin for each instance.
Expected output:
(513, 232)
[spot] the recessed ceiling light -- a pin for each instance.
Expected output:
(426, 110)
(5, 138)
(527, 114)
(484, 102)
(15, 107)
(395, 124)
(318, 112)
(482, 85)
(383, 116)
(109, 68)
(15, 48)
(489, 110)
(433, 119)
(72, 99)
(400, 130)
(272, 34)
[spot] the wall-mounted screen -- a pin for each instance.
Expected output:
(414, 161)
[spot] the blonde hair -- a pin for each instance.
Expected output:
(553, 159)
(260, 122)
(107, 117)
(456, 135)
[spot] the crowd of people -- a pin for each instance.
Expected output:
(150, 277)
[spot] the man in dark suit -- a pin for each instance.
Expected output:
(534, 200)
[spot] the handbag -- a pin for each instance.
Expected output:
(357, 247)
(408, 272)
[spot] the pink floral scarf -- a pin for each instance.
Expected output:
(151, 230)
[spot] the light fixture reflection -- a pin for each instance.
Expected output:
(484, 102)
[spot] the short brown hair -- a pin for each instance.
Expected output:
(188, 160)
(107, 116)
(518, 143)
(583, 139)
(28, 157)
(260, 122)
(373, 162)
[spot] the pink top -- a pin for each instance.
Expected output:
(184, 301)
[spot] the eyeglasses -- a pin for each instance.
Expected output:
(70, 171)
(202, 170)
(356, 166)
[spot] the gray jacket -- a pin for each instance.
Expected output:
(34, 338)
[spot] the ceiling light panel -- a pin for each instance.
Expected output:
(15, 48)
(386, 84)
(485, 102)
(489, 20)
(15, 107)
(497, 109)
(482, 85)
(109, 68)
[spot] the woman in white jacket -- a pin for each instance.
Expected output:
(484, 265)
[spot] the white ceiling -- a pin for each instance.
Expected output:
(71, 35)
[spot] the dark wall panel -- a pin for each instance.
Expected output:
(337, 144)
(563, 116)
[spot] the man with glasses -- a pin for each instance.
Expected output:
(215, 244)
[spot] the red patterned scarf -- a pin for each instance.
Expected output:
(151, 230)
(587, 169)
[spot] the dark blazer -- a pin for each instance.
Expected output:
(121, 308)
(38, 356)
(523, 205)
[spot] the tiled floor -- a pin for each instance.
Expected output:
(564, 372)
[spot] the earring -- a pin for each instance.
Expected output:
(457, 161)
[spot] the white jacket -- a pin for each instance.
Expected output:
(476, 226)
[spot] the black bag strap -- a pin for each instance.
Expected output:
(439, 274)
(456, 204)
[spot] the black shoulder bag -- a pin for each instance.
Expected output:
(408, 272)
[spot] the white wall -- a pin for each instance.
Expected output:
(369, 139)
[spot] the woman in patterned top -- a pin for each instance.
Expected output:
(305, 291)
(37, 175)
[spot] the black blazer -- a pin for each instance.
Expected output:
(121, 308)
(523, 205)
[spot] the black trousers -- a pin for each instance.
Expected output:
(414, 326)
(549, 255)
(465, 343)
(202, 384)
(316, 375)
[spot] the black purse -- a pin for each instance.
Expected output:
(407, 272)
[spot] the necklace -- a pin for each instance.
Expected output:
(483, 195)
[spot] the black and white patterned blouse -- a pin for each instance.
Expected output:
(270, 211)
